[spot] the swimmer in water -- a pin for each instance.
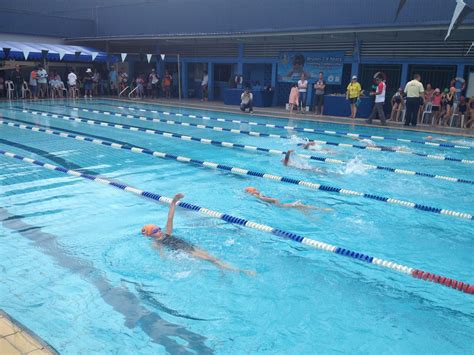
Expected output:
(274, 201)
(312, 145)
(431, 138)
(287, 162)
(167, 239)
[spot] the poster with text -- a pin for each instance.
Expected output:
(292, 64)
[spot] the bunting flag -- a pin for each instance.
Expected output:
(26, 53)
(123, 55)
(162, 56)
(469, 50)
(61, 54)
(94, 55)
(460, 12)
(148, 57)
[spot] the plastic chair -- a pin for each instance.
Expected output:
(10, 89)
(428, 111)
(25, 91)
(454, 114)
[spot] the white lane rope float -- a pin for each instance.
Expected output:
(224, 144)
(252, 133)
(240, 171)
(390, 265)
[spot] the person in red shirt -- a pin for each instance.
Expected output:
(167, 79)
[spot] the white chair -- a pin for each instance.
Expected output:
(25, 91)
(454, 114)
(10, 89)
(428, 111)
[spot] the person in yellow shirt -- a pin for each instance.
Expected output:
(353, 93)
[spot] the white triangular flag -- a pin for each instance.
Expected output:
(26, 53)
(469, 50)
(148, 57)
(61, 54)
(123, 55)
(94, 55)
(162, 56)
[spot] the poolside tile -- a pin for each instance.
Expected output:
(23, 342)
(7, 327)
(8, 349)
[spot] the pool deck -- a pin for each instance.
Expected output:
(16, 339)
(280, 112)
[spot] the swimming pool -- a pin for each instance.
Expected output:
(78, 272)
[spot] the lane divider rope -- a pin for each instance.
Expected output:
(296, 129)
(255, 134)
(242, 171)
(292, 128)
(168, 134)
(390, 265)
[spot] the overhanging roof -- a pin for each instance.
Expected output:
(53, 52)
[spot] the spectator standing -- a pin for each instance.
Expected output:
(95, 82)
(72, 82)
(246, 100)
(354, 90)
(414, 90)
(379, 102)
(154, 79)
(113, 78)
(293, 99)
(88, 82)
(17, 79)
(140, 81)
(436, 105)
(319, 91)
(205, 87)
(302, 90)
(33, 83)
(42, 79)
(427, 97)
(167, 80)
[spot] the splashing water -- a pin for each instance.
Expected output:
(355, 166)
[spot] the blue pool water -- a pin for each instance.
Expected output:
(76, 270)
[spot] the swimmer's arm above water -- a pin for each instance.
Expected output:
(169, 222)
(267, 199)
(286, 160)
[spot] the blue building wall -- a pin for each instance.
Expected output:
(218, 16)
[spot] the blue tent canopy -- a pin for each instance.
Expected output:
(55, 52)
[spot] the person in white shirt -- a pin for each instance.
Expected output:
(379, 101)
(205, 87)
(246, 101)
(42, 79)
(302, 89)
(72, 80)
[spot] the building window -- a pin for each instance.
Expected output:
(222, 72)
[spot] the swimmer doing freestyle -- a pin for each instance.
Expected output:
(287, 162)
(172, 242)
(297, 204)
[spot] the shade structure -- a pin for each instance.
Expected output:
(55, 52)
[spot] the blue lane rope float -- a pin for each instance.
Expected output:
(292, 128)
(168, 134)
(241, 171)
(390, 265)
(250, 133)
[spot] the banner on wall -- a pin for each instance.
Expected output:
(292, 64)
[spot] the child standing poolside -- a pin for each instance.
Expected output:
(293, 99)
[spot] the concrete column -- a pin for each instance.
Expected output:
(210, 73)
(184, 78)
(404, 75)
